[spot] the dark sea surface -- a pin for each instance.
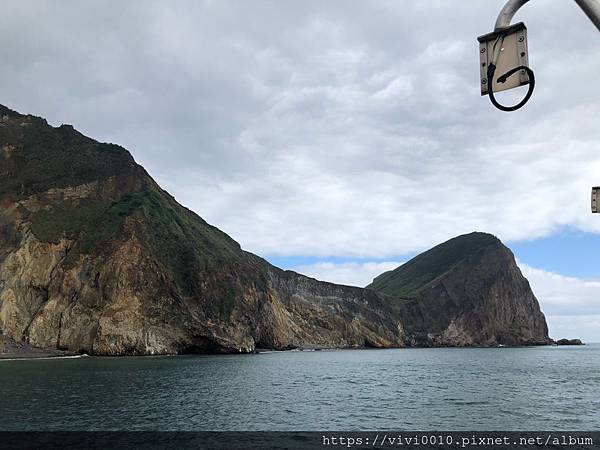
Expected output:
(537, 388)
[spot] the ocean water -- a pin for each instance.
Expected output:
(418, 389)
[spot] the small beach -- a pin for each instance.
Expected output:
(11, 350)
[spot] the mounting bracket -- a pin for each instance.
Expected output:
(503, 53)
(596, 199)
(511, 52)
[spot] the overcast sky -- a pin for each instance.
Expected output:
(337, 138)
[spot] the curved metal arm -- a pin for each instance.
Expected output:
(507, 13)
(590, 7)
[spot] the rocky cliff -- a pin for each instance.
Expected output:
(95, 257)
(467, 291)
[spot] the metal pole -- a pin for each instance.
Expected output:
(507, 13)
(592, 9)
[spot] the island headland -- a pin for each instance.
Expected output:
(96, 258)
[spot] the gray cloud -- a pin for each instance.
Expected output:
(322, 128)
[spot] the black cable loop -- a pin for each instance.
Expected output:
(502, 79)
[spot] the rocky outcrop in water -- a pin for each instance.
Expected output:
(95, 257)
(467, 291)
(569, 342)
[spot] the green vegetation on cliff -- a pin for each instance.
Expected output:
(184, 243)
(180, 240)
(409, 278)
(37, 157)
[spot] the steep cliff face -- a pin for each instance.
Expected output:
(467, 291)
(96, 257)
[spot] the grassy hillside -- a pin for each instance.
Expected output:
(37, 157)
(407, 279)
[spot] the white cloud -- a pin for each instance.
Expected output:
(586, 328)
(563, 296)
(350, 274)
(571, 305)
(322, 128)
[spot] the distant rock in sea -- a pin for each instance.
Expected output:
(569, 342)
(96, 258)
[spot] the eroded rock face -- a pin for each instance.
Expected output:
(96, 258)
(479, 297)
